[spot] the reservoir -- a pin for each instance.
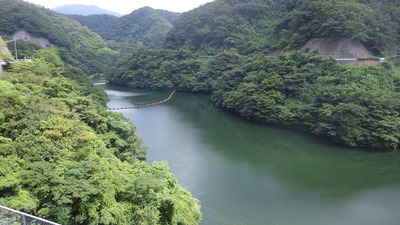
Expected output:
(247, 173)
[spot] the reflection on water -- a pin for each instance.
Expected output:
(246, 173)
(122, 94)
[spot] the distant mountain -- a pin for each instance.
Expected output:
(84, 10)
(145, 26)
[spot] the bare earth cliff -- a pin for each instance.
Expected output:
(42, 42)
(339, 47)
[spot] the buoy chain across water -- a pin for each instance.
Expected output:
(145, 105)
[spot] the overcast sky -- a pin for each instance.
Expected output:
(127, 6)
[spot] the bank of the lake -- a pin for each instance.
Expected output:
(247, 173)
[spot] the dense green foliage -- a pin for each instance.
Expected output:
(374, 23)
(247, 74)
(96, 23)
(357, 106)
(222, 25)
(145, 26)
(64, 158)
(80, 46)
(254, 25)
(157, 69)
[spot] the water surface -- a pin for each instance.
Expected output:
(247, 173)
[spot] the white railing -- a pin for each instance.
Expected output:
(13, 217)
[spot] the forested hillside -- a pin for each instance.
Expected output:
(253, 25)
(63, 157)
(96, 23)
(79, 46)
(221, 25)
(66, 159)
(238, 51)
(145, 26)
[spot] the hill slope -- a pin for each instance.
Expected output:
(85, 48)
(84, 10)
(65, 158)
(221, 25)
(253, 25)
(238, 51)
(145, 26)
(95, 23)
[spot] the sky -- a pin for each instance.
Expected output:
(127, 6)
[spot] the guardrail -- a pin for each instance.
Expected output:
(13, 217)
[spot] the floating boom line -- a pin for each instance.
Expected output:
(145, 105)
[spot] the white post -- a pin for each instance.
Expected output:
(15, 45)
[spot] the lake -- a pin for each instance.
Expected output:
(248, 173)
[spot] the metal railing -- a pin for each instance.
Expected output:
(13, 217)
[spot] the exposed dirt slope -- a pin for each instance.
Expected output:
(339, 47)
(42, 42)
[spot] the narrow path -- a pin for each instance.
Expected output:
(145, 105)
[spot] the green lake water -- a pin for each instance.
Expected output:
(247, 173)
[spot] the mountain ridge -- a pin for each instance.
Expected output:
(80, 46)
(145, 26)
(84, 10)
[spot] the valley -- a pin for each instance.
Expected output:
(262, 122)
